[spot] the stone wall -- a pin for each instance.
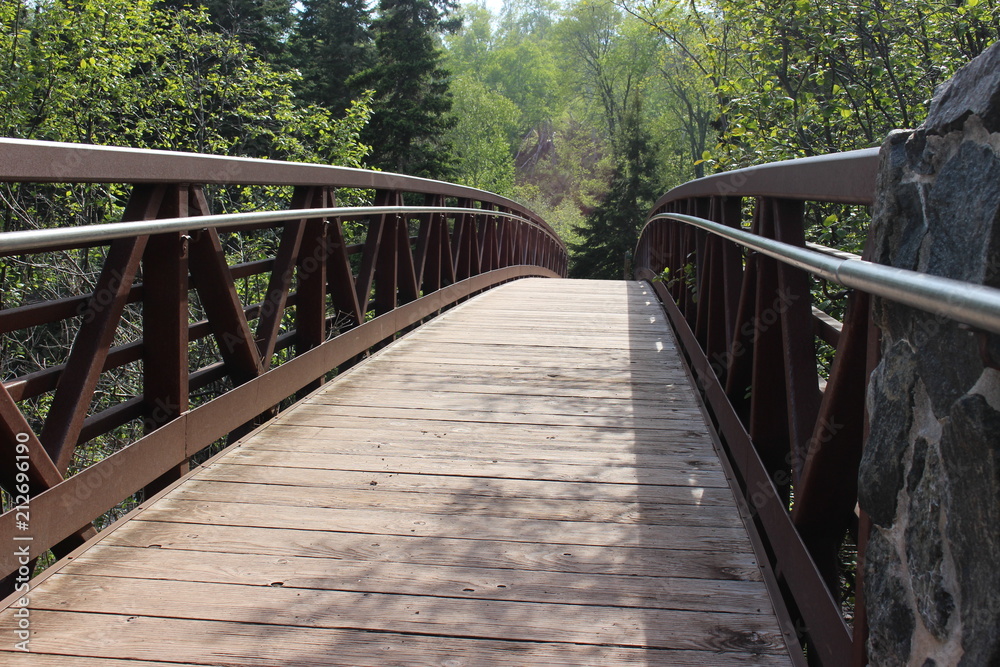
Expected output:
(930, 476)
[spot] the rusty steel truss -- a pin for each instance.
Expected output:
(326, 303)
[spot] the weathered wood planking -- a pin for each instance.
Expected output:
(526, 480)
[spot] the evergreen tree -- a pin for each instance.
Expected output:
(609, 233)
(410, 112)
(331, 44)
(263, 24)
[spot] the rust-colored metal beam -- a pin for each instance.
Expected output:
(797, 332)
(372, 253)
(86, 360)
(285, 261)
(165, 328)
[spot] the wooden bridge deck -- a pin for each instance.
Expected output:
(527, 480)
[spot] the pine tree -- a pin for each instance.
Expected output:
(332, 43)
(263, 24)
(410, 112)
(609, 234)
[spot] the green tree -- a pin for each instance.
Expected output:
(513, 55)
(822, 77)
(799, 77)
(158, 79)
(410, 111)
(331, 44)
(611, 58)
(610, 232)
(486, 124)
(263, 24)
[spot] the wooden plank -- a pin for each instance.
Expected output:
(310, 413)
(494, 402)
(261, 644)
(646, 513)
(33, 659)
(464, 582)
(680, 440)
(470, 527)
(484, 486)
(429, 383)
(333, 442)
(493, 619)
(441, 551)
(672, 442)
(588, 369)
(597, 429)
(494, 468)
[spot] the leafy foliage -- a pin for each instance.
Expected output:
(262, 24)
(160, 79)
(486, 123)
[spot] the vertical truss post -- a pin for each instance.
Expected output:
(372, 253)
(768, 397)
(165, 317)
(311, 268)
(798, 337)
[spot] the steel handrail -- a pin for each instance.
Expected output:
(34, 161)
(40, 239)
(846, 178)
(975, 305)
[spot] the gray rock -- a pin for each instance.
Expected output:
(890, 620)
(937, 209)
(895, 203)
(970, 451)
(890, 397)
(974, 89)
(948, 360)
(924, 541)
(962, 208)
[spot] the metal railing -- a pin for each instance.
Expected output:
(741, 302)
(165, 287)
(975, 305)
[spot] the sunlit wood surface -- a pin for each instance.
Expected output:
(526, 480)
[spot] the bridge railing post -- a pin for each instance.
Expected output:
(165, 328)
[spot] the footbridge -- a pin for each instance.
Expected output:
(378, 426)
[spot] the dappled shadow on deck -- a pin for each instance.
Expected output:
(482, 492)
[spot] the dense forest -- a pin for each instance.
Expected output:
(586, 109)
